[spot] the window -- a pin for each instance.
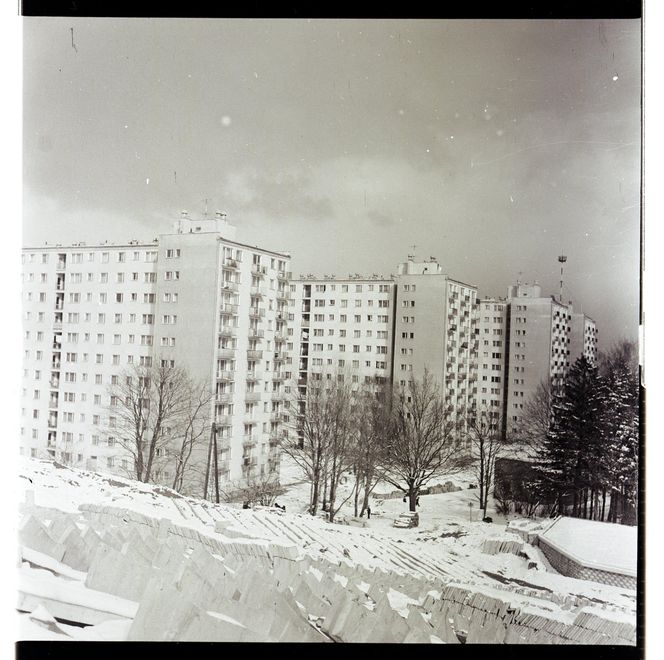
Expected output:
(172, 253)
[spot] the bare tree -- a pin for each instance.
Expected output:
(260, 489)
(372, 415)
(323, 436)
(147, 404)
(421, 441)
(192, 433)
(487, 440)
(530, 432)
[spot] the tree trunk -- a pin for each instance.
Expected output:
(412, 497)
(603, 503)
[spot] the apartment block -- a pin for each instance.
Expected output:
(584, 337)
(539, 345)
(493, 356)
(436, 331)
(342, 328)
(193, 298)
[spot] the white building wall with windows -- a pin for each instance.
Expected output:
(194, 298)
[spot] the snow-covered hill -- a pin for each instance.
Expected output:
(107, 558)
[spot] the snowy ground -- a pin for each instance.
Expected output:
(448, 548)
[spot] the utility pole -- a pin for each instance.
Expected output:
(216, 468)
(207, 466)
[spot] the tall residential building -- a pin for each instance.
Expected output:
(583, 337)
(436, 331)
(343, 328)
(194, 298)
(539, 345)
(493, 356)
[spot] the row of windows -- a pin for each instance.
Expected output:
(77, 278)
(380, 334)
(343, 318)
(382, 350)
(382, 288)
(78, 257)
(321, 302)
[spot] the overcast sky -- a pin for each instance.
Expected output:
(491, 145)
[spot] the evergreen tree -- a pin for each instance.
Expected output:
(568, 464)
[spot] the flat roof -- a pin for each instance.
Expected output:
(601, 545)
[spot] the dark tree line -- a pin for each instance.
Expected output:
(587, 462)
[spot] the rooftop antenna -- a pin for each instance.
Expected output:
(205, 213)
(411, 257)
(562, 259)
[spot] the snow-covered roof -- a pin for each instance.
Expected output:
(604, 546)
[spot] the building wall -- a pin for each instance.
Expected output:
(92, 313)
(96, 320)
(538, 346)
(343, 326)
(493, 355)
(436, 331)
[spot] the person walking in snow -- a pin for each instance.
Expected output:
(368, 513)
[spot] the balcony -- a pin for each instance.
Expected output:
(280, 336)
(223, 420)
(280, 356)
(305, 323)
(223, 466)
(253, 375)
(224, 374)
(256, 312)
(255, 333)
(301, 381)
(61, 265)
(53, 401)
(259, 291)
(276, 417)
(227, 330)
(249, 441)
(275, 441)
(226, 352)
(284, 275)
(259, 270)
(224, 397)
(54, 383)
(231, 264)
(227, 285)
(254, 355)
(283, 295)
(252, 396)
(55, 364)
(228, 308)
(278, 375)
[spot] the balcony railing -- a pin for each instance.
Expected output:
(259, 270)
(223, 420)
(61, 265)
(278, 375)
(283, 295)
(226, 352)
(258, 291)
(280, 356)
(228, 308)
(254, 355)
(227, 330)
(249, 441)
(252, 396)
(227, 285)
(253, 375)
(277, 417)
(255, 333)
(224, 397)
(231, 264)
(225, 374)
(280, 336)
(283, 275)
(256, 312)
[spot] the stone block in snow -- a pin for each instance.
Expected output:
(163, 615)
(33, 534)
